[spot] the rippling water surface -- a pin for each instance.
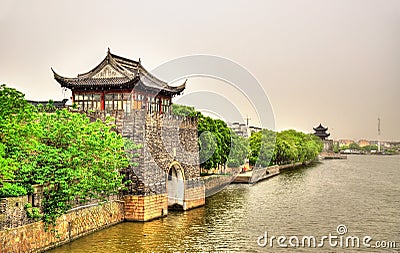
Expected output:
(362, 193)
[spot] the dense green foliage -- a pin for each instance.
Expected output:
(32, 212)
(262, 145)
(355, 146)
(182, 110)
(12, 190)
(369, 148)
(72, 158)
(218, 144)
(239, 151)
(288, 147)
(293, 146)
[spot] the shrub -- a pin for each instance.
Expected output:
(12, 190)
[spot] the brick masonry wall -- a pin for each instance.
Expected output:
(74, 224)
(194, 195)
(145, 208)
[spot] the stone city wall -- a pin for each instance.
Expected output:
(164, 139)
(76, 223)
(195, 194)
(12, 212)
(145, 208)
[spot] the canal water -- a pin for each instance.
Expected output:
(354, 198)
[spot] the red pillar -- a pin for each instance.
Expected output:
(102, 101)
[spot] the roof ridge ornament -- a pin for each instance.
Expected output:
(108, 55)
(138, 66)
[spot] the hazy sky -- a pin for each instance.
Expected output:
(334, 62)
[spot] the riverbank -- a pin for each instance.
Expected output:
(330, 155)
(260, 174)
(76, 223)
(310, 201)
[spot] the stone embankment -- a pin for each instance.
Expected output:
(34, 237)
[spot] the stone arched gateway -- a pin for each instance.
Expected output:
(150, 195)
(175, 186)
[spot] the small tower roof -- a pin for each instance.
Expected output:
(320, 131)
(320, 128)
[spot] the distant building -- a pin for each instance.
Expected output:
(320, 131)
(239, 128)
(254, 129)
(345, 142)
(363, 143)
(56, 104)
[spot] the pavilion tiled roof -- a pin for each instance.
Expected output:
(320, 128)
(320, 131)
(125, 74)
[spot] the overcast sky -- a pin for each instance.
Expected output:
(330, 62)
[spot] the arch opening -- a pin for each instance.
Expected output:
(175, 187)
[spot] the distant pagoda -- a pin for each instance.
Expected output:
(320, 131)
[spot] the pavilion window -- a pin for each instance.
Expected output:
(118, 101)
(86, 102)
(165, 103)
(139, 101)
(149, 99)
(127, 102)
(153, 104)
(108, 102)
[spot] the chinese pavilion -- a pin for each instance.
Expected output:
(118, 83)
(320, 131)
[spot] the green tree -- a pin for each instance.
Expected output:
(182, 110)
(215, 142)
(368, 148)
(239, 150)
(73, 158)
(336, 148)
(262, 145)
(354, 146)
